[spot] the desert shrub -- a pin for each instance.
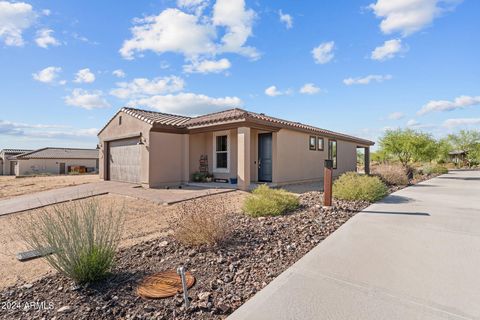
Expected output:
(201, 222)
(83, 236)
(434, 169)
(391, 174)
(265, 201)
(353, 186)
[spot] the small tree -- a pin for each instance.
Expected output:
(408, 145)
(468, 141)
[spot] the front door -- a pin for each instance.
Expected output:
(62, 168)
(265, 157)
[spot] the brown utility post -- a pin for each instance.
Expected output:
(327, 183)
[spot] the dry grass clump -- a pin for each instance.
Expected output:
(201, 222)
(391, 174)
(83, 236)
(352, 186)
(265, 201)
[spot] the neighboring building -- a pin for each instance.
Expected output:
(458, 156)
(54, 161)
(6, 166)
(158, 149)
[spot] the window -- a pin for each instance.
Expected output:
(313, 143)
(320, 144)
(332, 152)
(120, 120)
(221, 152)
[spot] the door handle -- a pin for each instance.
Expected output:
(259, 163)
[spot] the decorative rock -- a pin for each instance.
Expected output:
(204, 296)
(64, 309)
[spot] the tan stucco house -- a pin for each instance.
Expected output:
(54, 161)
(157, 149)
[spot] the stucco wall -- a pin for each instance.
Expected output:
(168, 154)
(202, 143)
(295, 162)
(115, 130)
(52, 166)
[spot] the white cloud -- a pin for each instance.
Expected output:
(172, 30)
(15, 17)
(460, 102)
(412, 123)
(309, 88)
(187, 103)
(44, 130)
(84, 76)
(44, 38)
(86, 99)
(461, 122)
(207, 66)
(272, 91)
(286, 18)
(196, 6)
(409, 16)
(46, 12)
(388, 50)
(193, 35)
(119, 73)
(238, 21)
(141, 87)
(367, 79)
(396, 116)
(324, 52)
(47, 75)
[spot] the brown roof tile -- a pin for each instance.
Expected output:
(176, 121)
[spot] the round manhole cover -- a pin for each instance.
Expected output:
(163, 285)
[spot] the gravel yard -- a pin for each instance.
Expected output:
(145, 220)
(10, 186)
(259, 250)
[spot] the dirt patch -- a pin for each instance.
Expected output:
(11, 186)
(145, 220)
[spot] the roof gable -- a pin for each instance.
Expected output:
(161, 119)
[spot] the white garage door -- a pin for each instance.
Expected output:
(124, 160)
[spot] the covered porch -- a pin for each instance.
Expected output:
(233, 157)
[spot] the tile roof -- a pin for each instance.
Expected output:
(184, 122)
(155, 118)
(59, 153)
(16, 151)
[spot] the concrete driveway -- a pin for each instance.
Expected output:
(415, 255)
(45, 198)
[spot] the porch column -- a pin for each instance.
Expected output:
(243, 156)
(186, 158)
(367, 160)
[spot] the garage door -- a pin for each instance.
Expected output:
(124, 160)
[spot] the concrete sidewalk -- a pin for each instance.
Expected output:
(414, 255)
(45, 198)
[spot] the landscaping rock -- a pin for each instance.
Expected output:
(226, 276)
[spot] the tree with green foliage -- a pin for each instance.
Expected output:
(408, 145)
(468, 141)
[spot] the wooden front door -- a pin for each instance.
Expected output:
(265, 157)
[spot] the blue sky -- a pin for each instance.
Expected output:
(357, 67)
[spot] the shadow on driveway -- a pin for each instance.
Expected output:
(398, 212)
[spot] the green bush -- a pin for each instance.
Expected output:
(82, 235)
(435, 169)
(352, 186)
(265, 201)
(391, 174)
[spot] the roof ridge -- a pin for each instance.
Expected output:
(157, 112)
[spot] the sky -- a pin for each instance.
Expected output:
(357, 67)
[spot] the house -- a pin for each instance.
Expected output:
(54, 161)
(459, 157)
(158, 149)
(6, 166)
